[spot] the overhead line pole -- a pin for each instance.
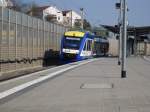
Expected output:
(124, 40)
(120, 34)
(71, 19)
(82, 17)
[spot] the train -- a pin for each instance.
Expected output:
(101, 46)
(77, 45)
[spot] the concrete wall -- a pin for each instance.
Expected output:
(113, 47)
(141, 48)
(148, 49)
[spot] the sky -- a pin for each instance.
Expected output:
(103, 11)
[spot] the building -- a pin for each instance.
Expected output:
(138, 40)
(49, 13)
(3, 3)
(70, 17)
(6, 3)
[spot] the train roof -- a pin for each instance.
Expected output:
(99, 39)
(75, 33)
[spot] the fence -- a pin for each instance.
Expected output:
(25, 40)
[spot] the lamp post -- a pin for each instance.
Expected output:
(120, 36)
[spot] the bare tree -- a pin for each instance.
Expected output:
(32, 7)
(17, 5)
(20, 6)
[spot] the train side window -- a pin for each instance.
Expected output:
(89, 42)
(85, 46)
(90, 45)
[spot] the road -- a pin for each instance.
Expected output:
(94, 87)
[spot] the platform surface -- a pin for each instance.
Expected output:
(94, 87)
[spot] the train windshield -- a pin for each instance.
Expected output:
(72, 42)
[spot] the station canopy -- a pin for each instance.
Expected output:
(132, 31)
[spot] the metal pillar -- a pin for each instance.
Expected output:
(1, 35)
(120, 34)
(135, 43)
(71, 19)
(124, 40)
(82, 18)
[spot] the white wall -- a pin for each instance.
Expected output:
(148, 49)
(3, 3)
(6, 3)
(113, 47)
(54, 11)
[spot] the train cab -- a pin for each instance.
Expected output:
(76, 45)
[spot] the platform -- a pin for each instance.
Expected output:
(93, 87)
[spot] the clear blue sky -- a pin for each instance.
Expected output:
(104, 12)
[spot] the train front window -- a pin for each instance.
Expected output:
(72, 43)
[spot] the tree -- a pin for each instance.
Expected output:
(20, 6)
(17, 5)
(32, 7)
(77, 24)
(87, 25)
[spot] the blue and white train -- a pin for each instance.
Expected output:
(77, 45)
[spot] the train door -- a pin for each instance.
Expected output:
(87, 49)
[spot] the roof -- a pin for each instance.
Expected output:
(66, 11)
(132, 31)
(38, 9)
(75, 33)
(100, 39)
(41, 8)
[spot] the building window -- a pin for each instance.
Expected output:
(58, 18)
